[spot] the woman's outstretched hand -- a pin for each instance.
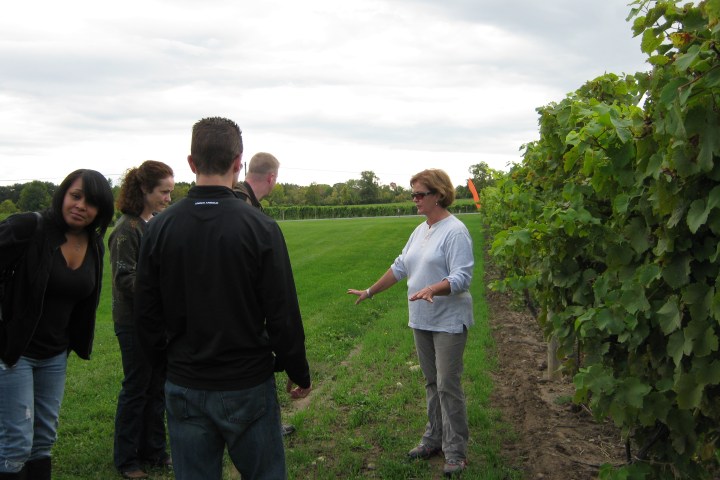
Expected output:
(361, 294)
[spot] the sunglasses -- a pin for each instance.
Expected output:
(421, 195)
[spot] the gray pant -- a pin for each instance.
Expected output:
(441, 360)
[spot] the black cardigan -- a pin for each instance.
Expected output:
(215, 295)
(22, 302)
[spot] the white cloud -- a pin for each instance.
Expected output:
(332, 88)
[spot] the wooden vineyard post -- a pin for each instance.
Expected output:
(553, 364)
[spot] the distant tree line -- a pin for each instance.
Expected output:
(366, 190)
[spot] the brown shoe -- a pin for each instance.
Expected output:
(423, 452)
(134, 474)
(454, 467)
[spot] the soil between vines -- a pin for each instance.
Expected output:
(554, 439)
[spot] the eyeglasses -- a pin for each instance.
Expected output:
(416, 195)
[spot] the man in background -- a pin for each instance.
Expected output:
(259, 182)
(260, 179)
(216, 300)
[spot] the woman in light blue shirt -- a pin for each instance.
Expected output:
(438, 264)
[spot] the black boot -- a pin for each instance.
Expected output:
(39, 469)
(21, 475)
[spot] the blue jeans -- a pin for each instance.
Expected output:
(203, 422)
(441, 361)
(140, 415)
(30, 396)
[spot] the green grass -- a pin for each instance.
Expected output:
(368, 405)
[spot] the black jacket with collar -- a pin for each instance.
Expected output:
(215, 295)
(23, 300)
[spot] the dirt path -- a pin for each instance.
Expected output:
(555, 438)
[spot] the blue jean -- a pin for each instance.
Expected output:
(30, 396)
(140, 414)
(441, 361)
(203, 422)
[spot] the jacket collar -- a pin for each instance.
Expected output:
(210, 191)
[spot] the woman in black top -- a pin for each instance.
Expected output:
(48, 309)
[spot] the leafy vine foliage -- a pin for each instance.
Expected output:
(612, 223)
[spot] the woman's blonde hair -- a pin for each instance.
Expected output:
(437, 181)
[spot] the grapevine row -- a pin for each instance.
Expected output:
(611, 223)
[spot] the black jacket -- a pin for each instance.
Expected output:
(215, 295)
(244, 192)
(23, 299)
(124, 245)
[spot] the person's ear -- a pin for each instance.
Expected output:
(192, 164)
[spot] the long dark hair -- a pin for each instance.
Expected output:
(97, 193)
(138, 181)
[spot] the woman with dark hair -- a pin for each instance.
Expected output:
(438, 264)
(48, 310)
(140, 417)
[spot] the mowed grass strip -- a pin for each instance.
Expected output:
(367, 408)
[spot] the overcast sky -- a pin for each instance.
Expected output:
(330, 87)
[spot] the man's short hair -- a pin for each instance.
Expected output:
(263, 163)
(216, 142)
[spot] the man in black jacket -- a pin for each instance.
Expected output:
(259, 182)
(216, 300)
(260, 179)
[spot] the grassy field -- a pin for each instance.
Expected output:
(367, 408)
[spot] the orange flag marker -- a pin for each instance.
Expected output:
(474, 192)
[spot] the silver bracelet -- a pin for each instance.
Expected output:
(369, 294)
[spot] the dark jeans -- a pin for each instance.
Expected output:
(203, 423)
(140, 416)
